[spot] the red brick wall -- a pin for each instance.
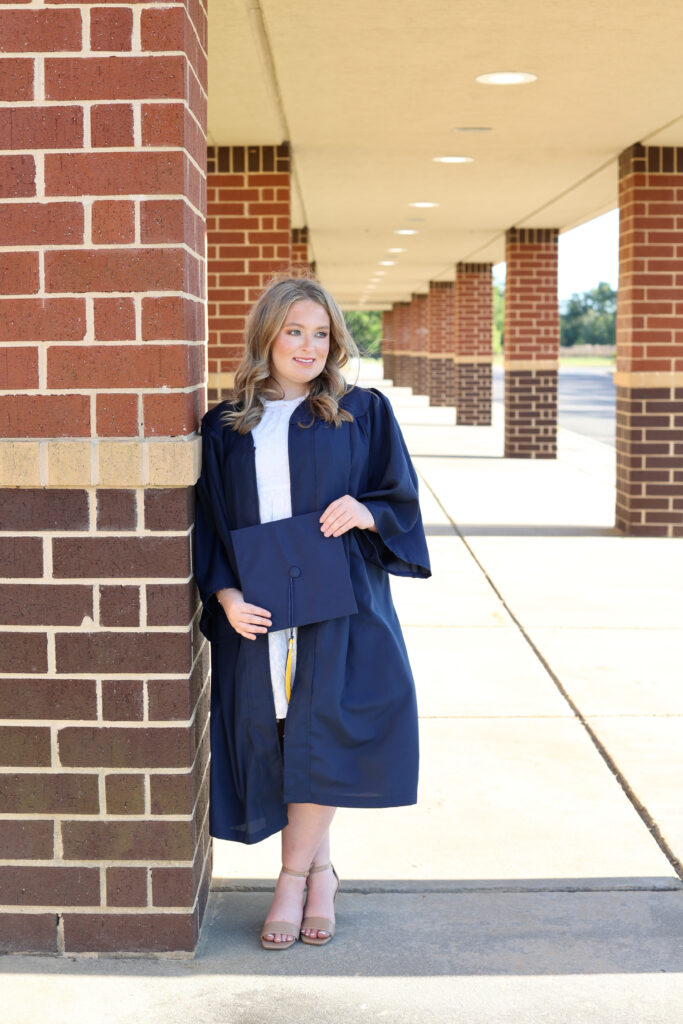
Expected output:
(300, 250)
(441, 337)
(531, 343)
(649, 377)
(473, 352)
(248, 240)
(103, 675)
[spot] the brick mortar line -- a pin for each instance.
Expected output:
(109, 533)
(638, 805)
(86, 200)
(99, 724)
(45, 392)
(78, 908)
(106, 818)
(90, 246)
(85, 53)
(77, 629)
(91, 150)
(108, 677)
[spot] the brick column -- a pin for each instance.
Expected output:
(299, 243)
(649, 374)
(473, 352)
(104, 687)
(441, 335)
(421, 343)
(248, 240)
(401, 320)
(412, 336)
(531, 343)
(387, 344)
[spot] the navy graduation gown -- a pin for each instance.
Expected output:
(351, 738)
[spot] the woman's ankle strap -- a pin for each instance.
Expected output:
(288, 871)
(320, 867)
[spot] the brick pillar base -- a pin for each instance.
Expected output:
(472, 384)
(441, 381)
(531, 341)
(649, 377)
(531, 414)
(421, 384)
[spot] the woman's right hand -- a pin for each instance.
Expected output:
(246, 619)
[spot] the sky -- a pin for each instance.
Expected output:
(587, 255)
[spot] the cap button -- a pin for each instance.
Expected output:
(294, 571)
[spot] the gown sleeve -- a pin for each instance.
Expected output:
(212, 567)
(399, 546)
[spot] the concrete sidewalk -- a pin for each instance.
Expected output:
(536, 879)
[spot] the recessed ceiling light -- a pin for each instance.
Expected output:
(423, 205)
(506, 78)
(395, 250)
(406, 231)
(387, 263)
(472, 128)
(452, 159)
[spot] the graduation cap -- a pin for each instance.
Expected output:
(291, 568)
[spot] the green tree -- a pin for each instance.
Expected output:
(365, 327)
(498, 316)
(590, 318)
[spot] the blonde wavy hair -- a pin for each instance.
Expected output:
(253, 380)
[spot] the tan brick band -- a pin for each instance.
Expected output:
(651, 379)
(511, 365)
(219, 382)
(100, 463)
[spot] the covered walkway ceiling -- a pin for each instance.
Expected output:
(368, 91)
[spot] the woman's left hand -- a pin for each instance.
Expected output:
(345, 513)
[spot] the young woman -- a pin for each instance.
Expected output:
(298, 439)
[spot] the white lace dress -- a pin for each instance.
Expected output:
(271, 440)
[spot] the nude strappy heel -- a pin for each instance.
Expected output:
(283, 927)
(321, 924)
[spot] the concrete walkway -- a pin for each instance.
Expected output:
(536, 879)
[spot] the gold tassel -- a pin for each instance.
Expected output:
(288, 668)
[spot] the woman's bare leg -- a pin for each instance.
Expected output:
(302, 838)
(321, 889)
